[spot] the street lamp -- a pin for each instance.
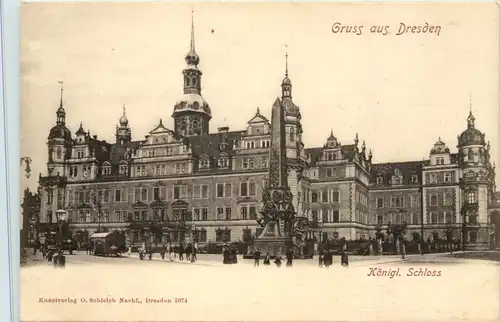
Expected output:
(62, 216)
(27, 161)
(193, 227)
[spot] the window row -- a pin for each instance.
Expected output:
(445, 199)
(397, 179)
(253, 163)
(246, 212)
(325, 196)
(440, 177)
(446, 217)
(399, 218)
(398, 202)
(222, 163)
(258, 144)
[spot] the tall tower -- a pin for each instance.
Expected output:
(476, 182)
(59, 142)
(123, 131)
(192, 113)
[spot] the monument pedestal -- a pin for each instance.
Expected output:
(274, 246)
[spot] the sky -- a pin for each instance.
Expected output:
(399, 92)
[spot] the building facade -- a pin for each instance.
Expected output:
(191, 179)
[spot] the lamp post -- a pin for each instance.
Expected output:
(27, 170)
(193, 227)
(464, 224)
(62, 216)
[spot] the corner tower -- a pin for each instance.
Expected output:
(192, 113)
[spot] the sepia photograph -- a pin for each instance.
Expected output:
(264, 161)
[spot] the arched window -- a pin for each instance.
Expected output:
(292, 135)
(58, 152)
(193, 81)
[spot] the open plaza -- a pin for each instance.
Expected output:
(92, 288)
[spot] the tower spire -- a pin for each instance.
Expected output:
(192, 30)
(286, 64)
(62, 89)
(124, 110)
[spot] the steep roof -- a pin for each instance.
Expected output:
(210, 144)
(387, 170)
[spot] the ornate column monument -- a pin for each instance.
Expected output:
(281, 228)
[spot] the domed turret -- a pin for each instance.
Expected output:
(192, 113)
(123, 132)
(471, 136)
(60, 131)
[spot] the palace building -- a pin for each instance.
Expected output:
(188, 178)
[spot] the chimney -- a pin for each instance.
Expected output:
(223, 129)
(95, 137)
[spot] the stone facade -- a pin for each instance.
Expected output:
(215, 180)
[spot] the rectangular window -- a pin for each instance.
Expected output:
(448, 198)
(336, 216)
(118, 195)
(314, 196)
(156, 193)
(448, 218)
(414, 201)
(204, 214)
(324, 215)
(434, 200)
(253, 212)
(180, 192)
(335, 196)
(416, 219)
(440, 218)
(314, 216)
(434, 217)
(220, 213)
(243, 189)
(204, 191)
(196, 213)
(380, 203)
(324, 195)
(244, 213)
(447, 177)
(228, 213)
(220, 190)
(380, 219)
(471, 197)
(397, 202)
(227, 188)
(251, 189)
(196, 191)
(433, 178)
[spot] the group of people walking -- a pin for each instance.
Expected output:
(190, 251)
(326, 259)
(277, 259)
(229, 255)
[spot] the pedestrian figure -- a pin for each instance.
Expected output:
(193, 255)
(328, 259)
(150, 253)
(277, 261)
(129, 251)
(181, 253)
(188, 252)
(289, 258)
(170, 251)
(321, 259)
(256, 257)
(225, 255)
(267, 260)
(234, 256)
(344, 259)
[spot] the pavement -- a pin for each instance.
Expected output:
(208, 290)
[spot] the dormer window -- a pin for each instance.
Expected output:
(244, 163)
(397, 173)
(223, 162)
(122, 169)
(79, 154)
(106, 170)
(380, 180)
(447, 177)
(433, 178)
(204, 163)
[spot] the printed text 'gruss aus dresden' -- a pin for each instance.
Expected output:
(401, 29)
